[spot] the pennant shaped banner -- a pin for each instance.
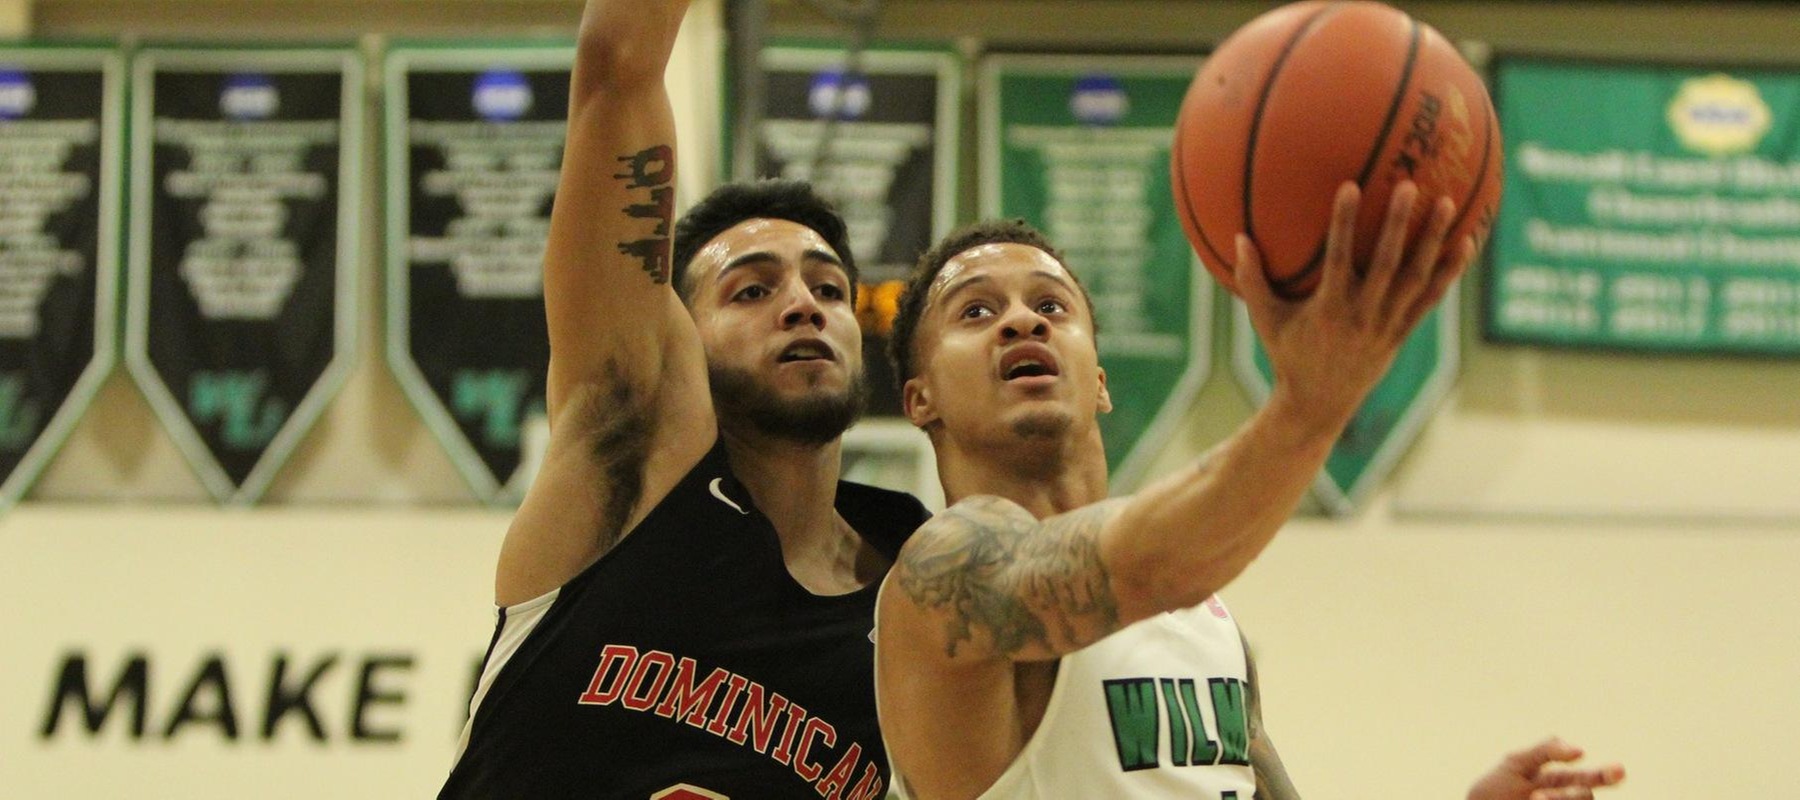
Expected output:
(877, 137)
(241, 317)
(1079, 147)
(473, 146)
(61, 118)
(1390, 418)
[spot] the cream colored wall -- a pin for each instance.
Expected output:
(1588, 544)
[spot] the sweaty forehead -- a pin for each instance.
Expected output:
(996, 260)
(778, 239)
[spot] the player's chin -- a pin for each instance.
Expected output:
(1045, 421)
(806, 377)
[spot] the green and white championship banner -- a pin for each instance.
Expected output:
(61, 122)
(1648, 207)
(1079, 147)
(473, 145)
(241, 323)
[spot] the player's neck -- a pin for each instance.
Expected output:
(795, 486)
(1047, 478)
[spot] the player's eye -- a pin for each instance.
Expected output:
(976, 311)
(831, 291)
(755, 291)
(1051, 306)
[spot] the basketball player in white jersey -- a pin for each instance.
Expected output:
(1039, 640)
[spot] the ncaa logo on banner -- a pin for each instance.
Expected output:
(249, 96)
(1099, 100)
(840, 95)
(1719, 115)
(501, 95)
(17, 94)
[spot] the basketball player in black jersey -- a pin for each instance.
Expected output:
(1032, 576)
(687, 592)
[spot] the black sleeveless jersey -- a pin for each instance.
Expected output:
(688, 663)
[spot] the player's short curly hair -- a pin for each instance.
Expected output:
(912, 300)
(794, 201)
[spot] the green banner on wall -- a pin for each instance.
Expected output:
(1648, 207)
(1079, 147)
(1390, 417)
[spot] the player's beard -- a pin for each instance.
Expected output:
(817, 418)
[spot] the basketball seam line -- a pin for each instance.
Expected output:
(1186, 205)
(1487, 154)
(1362, 179)
(1262, 102)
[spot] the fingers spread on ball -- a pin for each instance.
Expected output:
(1340, 241)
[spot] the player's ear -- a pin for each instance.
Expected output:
(1105, 404)
(915, 402)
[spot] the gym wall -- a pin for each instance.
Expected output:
(1596, 545)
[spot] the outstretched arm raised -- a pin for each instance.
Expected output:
(627, 400)
(987, 581)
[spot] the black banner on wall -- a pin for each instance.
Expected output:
(879, 138)
(241, 323)
(60, 123)
(473, 146)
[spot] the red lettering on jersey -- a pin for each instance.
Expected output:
(784, 752)
(717, 728)
(635, 698)
(761, 716)
(625, 657)
(687, 700)
(869, 788)
(839, 777)
(682, 791)
(821, 729)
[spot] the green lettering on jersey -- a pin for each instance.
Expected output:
(1178, 724)
(1131, 703)
(1205, 751)
(1228, 709)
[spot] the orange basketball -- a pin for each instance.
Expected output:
(1311, 95)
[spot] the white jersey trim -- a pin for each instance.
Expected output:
(514, 623)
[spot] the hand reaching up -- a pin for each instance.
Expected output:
(1527, 775)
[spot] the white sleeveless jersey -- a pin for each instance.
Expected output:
(1155, 710)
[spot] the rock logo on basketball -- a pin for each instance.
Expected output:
(1436, 149)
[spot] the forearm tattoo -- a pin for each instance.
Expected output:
(999, 575)
(651, 169)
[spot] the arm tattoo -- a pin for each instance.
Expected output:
(999, 575)
(652, 168)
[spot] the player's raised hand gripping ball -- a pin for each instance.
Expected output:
(1308, 96)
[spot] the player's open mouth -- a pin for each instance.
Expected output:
(806, 350)
(1028, 361)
